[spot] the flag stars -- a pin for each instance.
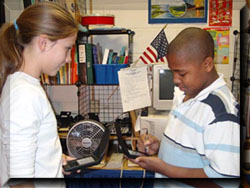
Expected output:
(157, 49)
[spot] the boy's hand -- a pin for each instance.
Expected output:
(148, 144)
(149, 163)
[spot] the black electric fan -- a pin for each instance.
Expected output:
(87, 141)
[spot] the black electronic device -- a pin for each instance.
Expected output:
(125, 126)
(65, 119)
(92, 159)
(122, 145)
(94, 116)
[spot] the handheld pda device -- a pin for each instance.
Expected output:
(122, 145)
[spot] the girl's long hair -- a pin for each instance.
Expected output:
(46, 18)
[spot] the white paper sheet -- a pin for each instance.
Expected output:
(134, 88)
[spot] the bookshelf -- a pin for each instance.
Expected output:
(100, 98)
(84, 37)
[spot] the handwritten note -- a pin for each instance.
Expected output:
(134, 88)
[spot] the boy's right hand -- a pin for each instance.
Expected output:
(148, 144)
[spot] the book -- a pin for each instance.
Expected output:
(95, 55)
(122, 52)
(114, 58)
(110, 56)
(58, 78)
(105, 56)
(76, 68)
(89, 64)
(99, 52)
(61, 75)
(42, 79)
(125, 60)
(74, 64)
(69, 73)
(64, 74)
(122, 55)
(117, 59)
(126, 57)
(121, 60)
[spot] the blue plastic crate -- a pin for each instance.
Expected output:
(107, 74)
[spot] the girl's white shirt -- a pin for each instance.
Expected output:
(30, 146)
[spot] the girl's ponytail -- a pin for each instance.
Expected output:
(10, 52)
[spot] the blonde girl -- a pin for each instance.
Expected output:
(39, 41)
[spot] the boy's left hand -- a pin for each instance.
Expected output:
(149, 163)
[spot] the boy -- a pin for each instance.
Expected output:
(202, 137)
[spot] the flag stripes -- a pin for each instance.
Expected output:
(157, 50)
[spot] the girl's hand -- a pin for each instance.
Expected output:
(65, 159)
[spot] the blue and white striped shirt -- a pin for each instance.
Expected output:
(204, 132)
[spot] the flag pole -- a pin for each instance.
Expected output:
(165, 26)
(135, 62)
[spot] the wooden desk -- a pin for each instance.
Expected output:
(126, 176)
(102, 166)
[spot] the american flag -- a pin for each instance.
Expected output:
(157, 50)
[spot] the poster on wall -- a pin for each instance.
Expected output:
(177, 11)
(221, 44)
(220, 12)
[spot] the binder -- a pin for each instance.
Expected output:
(81, 53)
(81, 58)
(89, 64)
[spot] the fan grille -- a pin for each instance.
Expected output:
(84, 137)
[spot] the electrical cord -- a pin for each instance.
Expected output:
(121, 173)
(143, 178)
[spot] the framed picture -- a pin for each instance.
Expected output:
(177, 11)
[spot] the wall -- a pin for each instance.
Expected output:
(63, 98)
(133, 14)
(13, 9)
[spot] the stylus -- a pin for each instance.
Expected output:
(146, 138)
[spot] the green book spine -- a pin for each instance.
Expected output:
(110, 56)
(89, 61)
